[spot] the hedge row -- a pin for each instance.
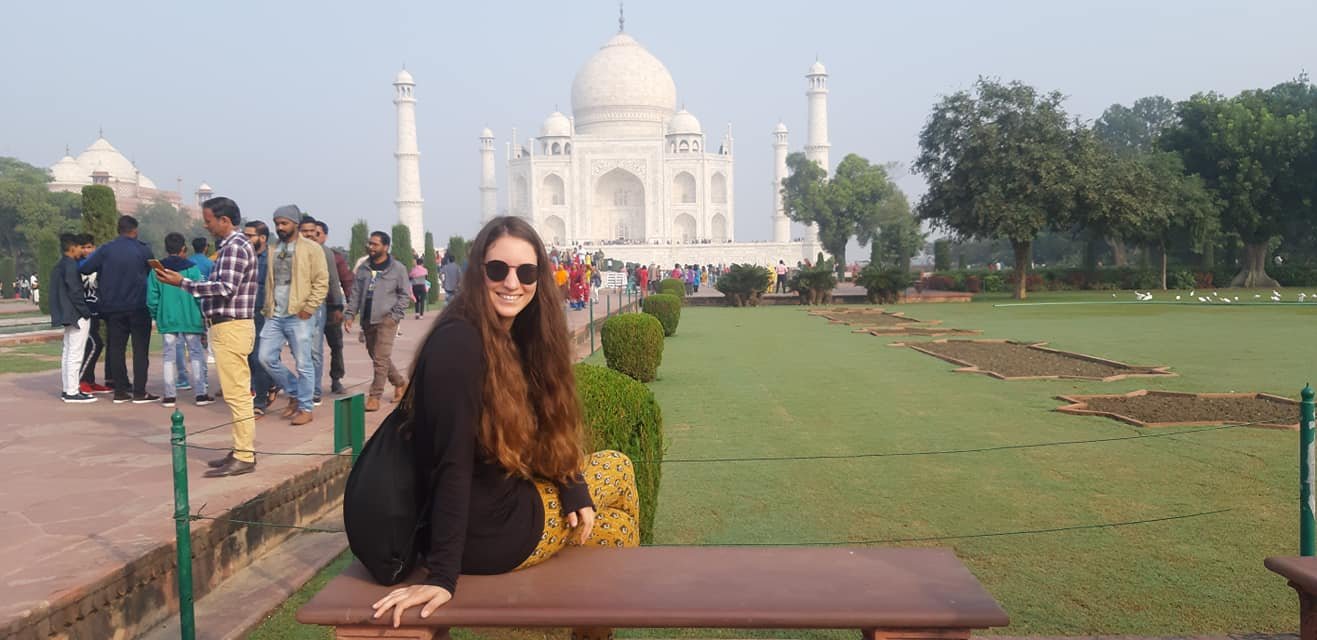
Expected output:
(1064, 279)
(633, 344)
(622, 414)
(667, 308)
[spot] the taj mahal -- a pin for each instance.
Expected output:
(629, 172)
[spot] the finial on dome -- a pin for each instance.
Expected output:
(621, 17)
(66, 150)
(100, 132)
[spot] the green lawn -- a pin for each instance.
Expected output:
(775, 381)
(31, 358)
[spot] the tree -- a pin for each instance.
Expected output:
(48, 254)
(357, 246)
(432, 270)
(402, 246)
(941, 254)
(999, 164)
(1255, 153)
(1137, 129)
(27, 210)
(100, 215)
(849, 205)
(457, 249)
(160, 218)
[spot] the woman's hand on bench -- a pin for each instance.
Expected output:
(407, 597)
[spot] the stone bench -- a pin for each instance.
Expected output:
(885, 594)
(1302, 574)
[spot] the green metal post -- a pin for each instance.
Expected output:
(357, 428)
(592, 325)
(1307, 520)
(608, 306)
(187, 622)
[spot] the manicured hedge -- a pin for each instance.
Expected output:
(743, 284)
(622, 414)
(674, 287)
(667, 308)
(633, 344)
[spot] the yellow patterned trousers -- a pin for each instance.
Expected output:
(612, 483)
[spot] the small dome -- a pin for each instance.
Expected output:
(145, 182)
(68, 171)
(486, 133)
(205, 188)
(780, 128)
(556, 125)
(683, 123)
(403, 78)
(817, 69)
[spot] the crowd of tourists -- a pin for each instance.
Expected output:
(262, 295)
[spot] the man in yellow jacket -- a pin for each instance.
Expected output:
(296, 284)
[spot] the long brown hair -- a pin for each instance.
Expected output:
(531, 419)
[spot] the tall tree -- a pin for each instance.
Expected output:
(160, 218)
(457, 249)
(1000, 163)
(1136, 129)
(100, 214)
(402, 245)
(850, 205)
(25, 208)
(1255, 152)
(431, 270)
(357, 245)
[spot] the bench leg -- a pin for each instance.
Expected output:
(592, 633)
(1307, 614)
(915, 634)
(403, 633)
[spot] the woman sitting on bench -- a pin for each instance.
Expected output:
(497, 421)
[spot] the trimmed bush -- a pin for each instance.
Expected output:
(100, 214)
(633, 344)
(673, 286)
(621, 414)
(667, 308)
(814, 284)
(884, 286)
(744, 284)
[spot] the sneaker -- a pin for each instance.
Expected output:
(121, 397)
(168, 402)
(336, 387)
(84, 387)
(316, 401)
(100, 388)
(145, 398)
(210, 359)
(205, 399)
(183, 384)
(77, 398)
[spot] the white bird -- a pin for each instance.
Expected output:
(1191, 294)
(1275, 293)
(1202, 299)
(1177, 297)
(1113, 295)
(1236, 298)
(1225, 299)
(1302, 296)
(1257, 295)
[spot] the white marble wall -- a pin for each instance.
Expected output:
(761, 253)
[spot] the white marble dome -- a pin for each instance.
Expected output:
(817, 69)
(684, 124)
(487, 133)
(68, 171)
(556, 125)
(102, 156)
(403, 78)
(780, 128)
(623, 90)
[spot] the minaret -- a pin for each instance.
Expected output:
(781, 223)
(488, 186)
(816, 145)
(409, 161)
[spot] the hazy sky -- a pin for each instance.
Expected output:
(275, 102)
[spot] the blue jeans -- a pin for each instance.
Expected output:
(180, 365)
(174, 343)
(296, 333)
(318, 347)
(261, 381)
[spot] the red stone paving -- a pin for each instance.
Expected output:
(87, 488)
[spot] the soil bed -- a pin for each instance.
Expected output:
(1166, 408)
(870, 317)
(1017, 360)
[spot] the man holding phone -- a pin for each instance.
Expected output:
(228, 301)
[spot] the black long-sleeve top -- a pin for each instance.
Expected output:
(482, 520)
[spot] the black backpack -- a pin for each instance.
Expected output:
(382, 505)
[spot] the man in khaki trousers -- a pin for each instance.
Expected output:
(381, 293)
(228, 301)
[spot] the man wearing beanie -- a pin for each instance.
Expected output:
(296, 283)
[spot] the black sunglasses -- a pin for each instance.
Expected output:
(497, 271)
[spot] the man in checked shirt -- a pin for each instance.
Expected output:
(228, 300)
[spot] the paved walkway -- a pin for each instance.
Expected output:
(87, 488)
